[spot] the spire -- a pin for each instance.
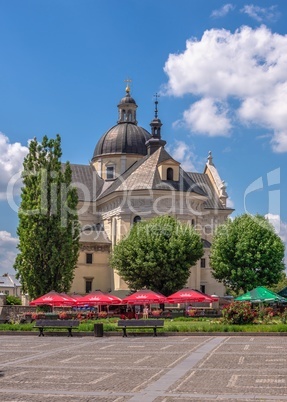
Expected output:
(156, 123)
(155, 141)
(156, 103)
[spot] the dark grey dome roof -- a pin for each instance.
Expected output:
(127, 99)
(124, 138)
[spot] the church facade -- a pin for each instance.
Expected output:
(131, 178)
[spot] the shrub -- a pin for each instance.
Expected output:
(238, 313)
(265, 314)
(44, 308)
(283, 316)
(36, 316)
(13, 300)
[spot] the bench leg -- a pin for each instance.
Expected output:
(70, 332)
(124, 333)
(154, 331)
(41, 331)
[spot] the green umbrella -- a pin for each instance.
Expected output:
(283, 292)
(261, 294)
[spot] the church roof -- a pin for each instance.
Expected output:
(123, 138)
(87, 181)
(127, 99)
(144, 175)
(126, 137)
(203, 181)
(9, 281)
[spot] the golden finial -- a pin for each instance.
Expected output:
(128, 89)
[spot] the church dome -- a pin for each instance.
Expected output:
(126, 137)
(123, 138)
(127, 99)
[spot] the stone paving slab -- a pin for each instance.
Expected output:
(143, 369)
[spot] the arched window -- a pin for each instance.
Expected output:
(110, 172)
(137, 219)
(169, 174)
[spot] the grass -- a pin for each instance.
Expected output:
(182, 325)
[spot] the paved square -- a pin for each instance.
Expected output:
(143, 368)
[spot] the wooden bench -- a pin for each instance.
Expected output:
(63, 324)
(153, 323)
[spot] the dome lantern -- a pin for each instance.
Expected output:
(127, 108)
(126, 137)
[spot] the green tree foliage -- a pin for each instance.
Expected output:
(281, 284)
(48, 227)
(157, 254)
(13, 300)
(246, 253)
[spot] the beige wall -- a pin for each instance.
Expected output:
(118, 218)
(11, 291)
(211, 285)
(163, 170)
(99, 272)
(120, 162)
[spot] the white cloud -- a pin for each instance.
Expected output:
(261, 14)
(11, 160)
(184, 154)
(208, 116)
(280, 228)
(223, 11)
(8, 252)
(229, 203)
(247, 68)
(279, 141)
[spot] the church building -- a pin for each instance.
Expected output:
(131, 178)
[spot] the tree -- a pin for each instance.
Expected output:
(246, 253)
(157, 254)
(48, 227)
(281, 284)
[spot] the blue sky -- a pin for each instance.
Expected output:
(220, 69)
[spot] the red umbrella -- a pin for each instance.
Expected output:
(71, 299)
(144, 296)
(98, 298)
(213, 297)
(116, 299)
(53, 299)
(187, 295)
